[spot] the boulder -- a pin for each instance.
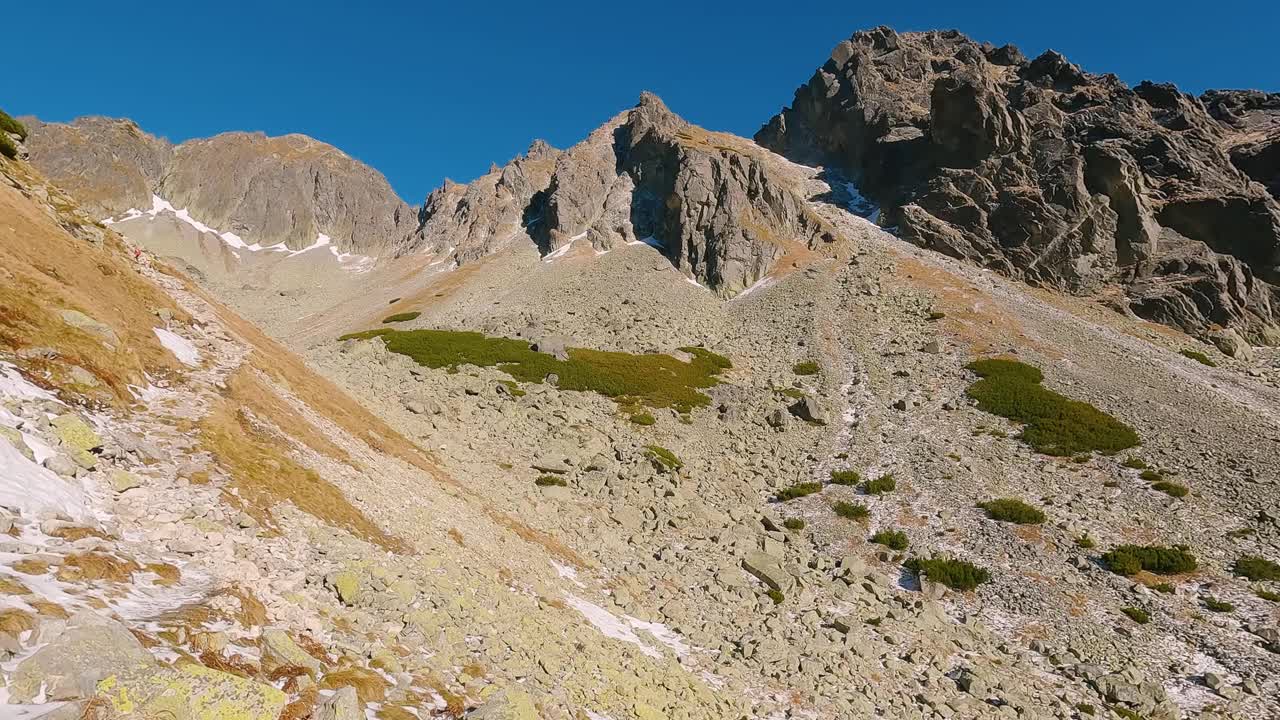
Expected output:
(190, 692)
(507, 704)
(90, 648)
(768, 568)
(342, 705)
(96, 328)
(279, 650)
(809, 409)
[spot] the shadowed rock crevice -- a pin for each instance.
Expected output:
(1054, 175)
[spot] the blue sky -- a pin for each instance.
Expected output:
(423, 91)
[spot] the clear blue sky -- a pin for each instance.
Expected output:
(425, 90)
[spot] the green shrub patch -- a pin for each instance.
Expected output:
(1131, 559)
(805, 368)
(851, 511)
(9, 125)
(1199, 357)
(550, 481)
(1134, 463)
(1138, 615)
(663, 457)
(892, 539)
(955, 574)
(1052, 424)
(1268, 595)
(1256, 569)
(1013, 510)
(845, 477)
(401, 317)
(643, 419)
(793, 523)
(799, 490)
(1213, 604)
(654, 380)
(1171, 489)
(7, 148)
(880, 486)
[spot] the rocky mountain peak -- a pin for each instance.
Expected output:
(236, 182)
(1048, 173)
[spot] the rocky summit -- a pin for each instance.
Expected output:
(667, 425)
(1045, 172)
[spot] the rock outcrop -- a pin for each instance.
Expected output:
(713, 203)
(1251, 121)
(1044, 172)
(269, 190)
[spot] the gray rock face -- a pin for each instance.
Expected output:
(269, 190)
(1044, 172)
(711, 203)
(484, 215)
(91, 648)
(1251, 121)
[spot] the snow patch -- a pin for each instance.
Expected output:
(651, 241)
(662, 634)
(610, 625)
(13, 385)
(181, 347)
(760, 284)
(32, 490)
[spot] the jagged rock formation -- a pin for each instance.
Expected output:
(1047, 173)
(1251, 121)
(710, 201)
(287, 189)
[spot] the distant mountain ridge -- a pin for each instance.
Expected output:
(289, 189)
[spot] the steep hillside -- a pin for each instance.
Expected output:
(1045, 172)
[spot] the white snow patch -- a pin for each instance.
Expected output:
(760, 284)
(859, 205)
(181, 347)
(39, 448)
(31, 489)
(694, 283)
(609, 625)
(13, 385)
(322, 240)
(662, 634)
(592, 715)
(558, 252)
(651, 241)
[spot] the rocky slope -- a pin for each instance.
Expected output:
(1048, 173)
(236, 182)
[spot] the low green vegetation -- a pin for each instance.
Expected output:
(1172, 489)
(1256, 569)
(799, 490)
(1086, 709)
(845, 477)
(643, 419)
(955, 574)
(1268, 595)
(1134, 463)
(1199, 357)
(1125, 713)
(9, 125)
(1052, 424)
(1213, 604)
(654, 380)
(1164, 588)
(936, 315)
(892, 539)
(401, 317)
(1130, 560)
(7, 148)
(663, 457)
(550, 481)
(851, 511)
(793, 523)
(1151, 476)
(1085, 542)
(775, 595)
(1138, 615)
(880, 486)
(807, 367)
(514, 388)
(1012, 510)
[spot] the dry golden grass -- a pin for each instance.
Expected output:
(265, 476)
(369, 685)
(286, 672)
(30, 566)
(246, 388)
(15, 621)
(455, 704)
(455, 536)
(252, 612)
(44, 270)
(235, 665)
(47, 608)
(169, 574)
(96, 567)
(72, 534)
(314, 649)
(12, 586)
(394, 712)
(301, 708)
